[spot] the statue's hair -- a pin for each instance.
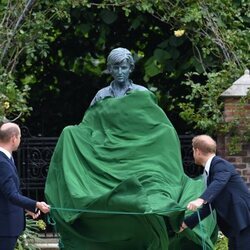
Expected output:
(204, 143)
(7, 133)
(118, 55)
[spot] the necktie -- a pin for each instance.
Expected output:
(13, 163)
(205, 175)
(12, 160)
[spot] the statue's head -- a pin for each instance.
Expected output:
(118, 55)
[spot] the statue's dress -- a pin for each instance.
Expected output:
(116, 181)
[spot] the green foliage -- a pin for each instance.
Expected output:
(206, 115)
(222, 242)
(188, 51)
(28, 238)
(219, 32)
(13, 101)
(238, 128)
(24, 31)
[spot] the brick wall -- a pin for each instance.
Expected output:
(241, 160)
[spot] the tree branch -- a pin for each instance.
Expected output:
(27, 7)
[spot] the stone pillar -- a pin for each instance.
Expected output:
(233, 109)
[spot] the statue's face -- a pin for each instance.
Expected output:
(120, 72)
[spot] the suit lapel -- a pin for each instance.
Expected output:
(3, 155)
(13, 164)
(9, 160)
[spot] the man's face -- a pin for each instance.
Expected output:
(120, 72)
(16, 141)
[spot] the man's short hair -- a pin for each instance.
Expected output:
(204, 143)
(7, 133)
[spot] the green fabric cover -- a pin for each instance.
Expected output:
(124, 157)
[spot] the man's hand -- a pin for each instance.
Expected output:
(43, 206)
(182, 227)
(33, 215)
(194, 205)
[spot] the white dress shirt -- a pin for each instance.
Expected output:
(208, 164)
(207, 168)
(6, 152)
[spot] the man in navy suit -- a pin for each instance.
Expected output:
(226, 193)
(12, 203)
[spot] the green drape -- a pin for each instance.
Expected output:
(124, 157)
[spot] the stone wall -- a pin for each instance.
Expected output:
(241, 160)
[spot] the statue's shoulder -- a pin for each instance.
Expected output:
(138, 87)
(104, 90)
(101, 94)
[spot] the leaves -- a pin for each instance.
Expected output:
(108, 16)
(66, 42)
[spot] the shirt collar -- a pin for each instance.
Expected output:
(6, 152)
(112, 91)
(208, 164)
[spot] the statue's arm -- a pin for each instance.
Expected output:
(94, 100)
(99, 96)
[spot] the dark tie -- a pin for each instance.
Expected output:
(12, 160)
(13, 163)
(205, 175)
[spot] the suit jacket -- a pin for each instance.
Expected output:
(12, 202)
(228, 195)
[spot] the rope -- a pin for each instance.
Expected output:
(86, 210)
(52, 222)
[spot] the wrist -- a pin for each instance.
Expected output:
(36, 207)
(202, 200)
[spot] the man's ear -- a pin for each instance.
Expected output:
(12, 138)
(196, 150)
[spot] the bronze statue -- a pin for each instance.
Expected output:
(120, 64)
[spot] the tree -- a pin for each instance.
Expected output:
(188, 52)
(219, 33)
(71, 77)
(24, 31)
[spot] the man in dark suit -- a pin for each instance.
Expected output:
(226, 193)
(12, 203)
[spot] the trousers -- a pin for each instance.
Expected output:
(7, 243)
(240, 241)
